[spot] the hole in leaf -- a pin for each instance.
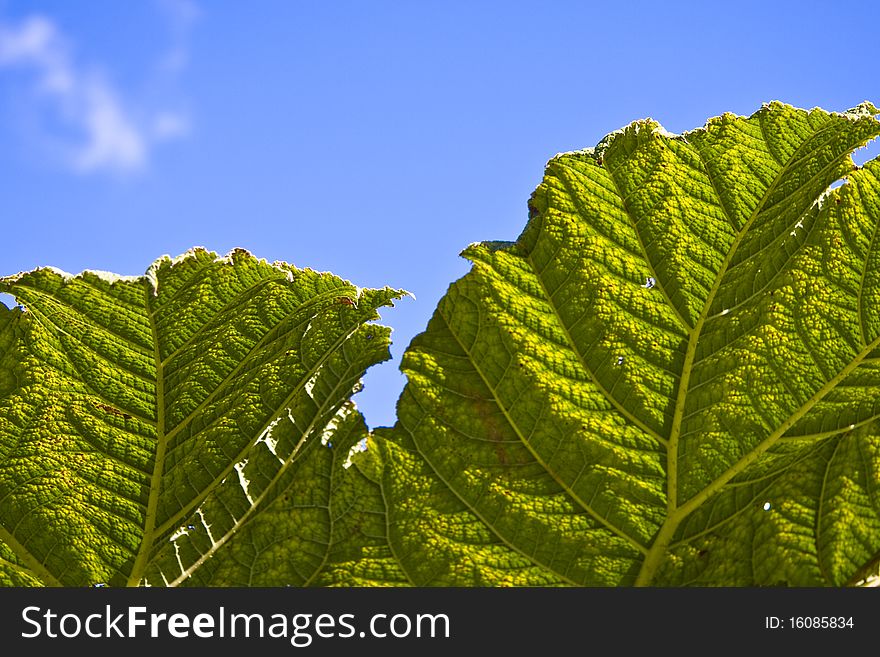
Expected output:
(867, 152)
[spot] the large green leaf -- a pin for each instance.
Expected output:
(672, 377)
(156, 429)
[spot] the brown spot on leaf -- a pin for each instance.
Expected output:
(113, 411)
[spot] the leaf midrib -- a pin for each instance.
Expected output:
(151, 530)
(675, 513)
(690, 354)
(140, 562)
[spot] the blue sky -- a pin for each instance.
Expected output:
(372, 139)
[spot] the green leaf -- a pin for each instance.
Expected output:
(672, 377)
(150, 426)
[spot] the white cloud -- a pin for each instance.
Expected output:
(169, 125)
(181, 15)
(37, 43)
(114, 141)
(111, 134)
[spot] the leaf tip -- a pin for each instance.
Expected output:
(475, 250)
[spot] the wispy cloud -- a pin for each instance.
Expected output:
(169, 125)
(113, 133)
(181, 16)
(36, 42)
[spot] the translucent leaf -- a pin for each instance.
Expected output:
(146, 421)
(670, 378)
